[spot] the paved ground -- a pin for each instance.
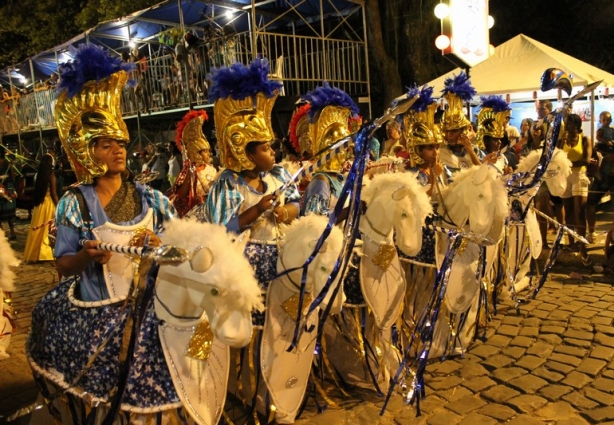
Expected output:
(551, 362)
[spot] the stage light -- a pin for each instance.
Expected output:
(442, 11)
(442, 42)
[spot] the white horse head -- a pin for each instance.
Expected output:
(479, 197)
(396, 200)
(556, 173)
(218, 280)
(298, 243)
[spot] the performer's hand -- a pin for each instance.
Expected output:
(281, 214)
(437, 169)
(491, 158)
(154, 240)
(266, 202)
(93, 253)
(465, 140)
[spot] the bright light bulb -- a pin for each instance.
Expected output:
(441, 11)
(491, 22)
(442, 42)
(132, 44)
(229, 13)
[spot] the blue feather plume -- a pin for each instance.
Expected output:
(239, 81)
(425, 97)
(325, 95)
(496, 103)
(460, 86)
(90, 63)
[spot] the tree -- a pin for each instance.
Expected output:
(32, 26)
(401, 36)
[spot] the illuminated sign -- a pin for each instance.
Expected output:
(466, 25)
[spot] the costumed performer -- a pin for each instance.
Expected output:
(491, 120)
(45, 199)
(193, 182)
(424, 143)
(252, 193)
(77, 327)
(318, 124)
(458, 151)
(244, 196)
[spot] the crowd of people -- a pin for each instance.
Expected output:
(253, 190)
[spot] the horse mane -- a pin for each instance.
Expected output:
(313, 225)
(387, 183)
(463, 181)
(229, 260)
(528, 163)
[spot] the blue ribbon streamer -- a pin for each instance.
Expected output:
(351, 188)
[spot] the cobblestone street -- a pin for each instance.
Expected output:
(549, 362)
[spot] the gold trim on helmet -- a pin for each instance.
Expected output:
(239, 122)
(454, 116)
(491, 124)
(193, 139)
(303, 134)
(420, 130)
(329, 126)
(92, 113)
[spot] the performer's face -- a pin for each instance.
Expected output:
(429, 154)
(112, 153)
(262, 155)
(205, 154)
(452, 136)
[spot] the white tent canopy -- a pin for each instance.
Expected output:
(517, 66)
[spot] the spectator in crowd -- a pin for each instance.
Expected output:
(600, 169)
(175, 163)
(393, 134)
(38, 247)
(579, 152)
(159, 164)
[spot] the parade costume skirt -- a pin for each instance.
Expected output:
(263, 258)
(37, 243)
(65, 337)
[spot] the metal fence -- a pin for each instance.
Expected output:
(166, 82)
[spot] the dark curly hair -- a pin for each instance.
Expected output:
(43, 177)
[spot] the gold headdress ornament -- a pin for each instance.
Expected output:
(419, 123)
(88, 107)
(456, 91)
(492, 119)
(323, 121)
(190, 138)
(243, 99)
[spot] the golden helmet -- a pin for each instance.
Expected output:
(243, 99)
(88, 107)
(491, 119)
(419, 126)
(456, 91)
(322, 121)
(190, 138)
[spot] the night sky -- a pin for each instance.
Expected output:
(582, 29)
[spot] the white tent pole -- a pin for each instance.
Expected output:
(593, 116)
